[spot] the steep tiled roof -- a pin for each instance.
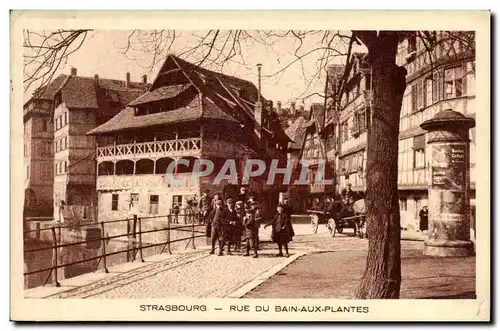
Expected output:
(127, 119)
(82, 92)
(297, 132)
(223, 98)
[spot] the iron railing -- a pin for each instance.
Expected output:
(133, 238)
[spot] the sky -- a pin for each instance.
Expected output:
(102, 54)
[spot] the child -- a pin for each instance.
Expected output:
(250, 231)
(281, 230)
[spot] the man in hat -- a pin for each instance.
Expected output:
(239, 207)
(257, 212)
(217, 223)
(204, 206)
(243, 195)
(230, 217)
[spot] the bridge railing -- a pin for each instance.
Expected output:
(133, 236)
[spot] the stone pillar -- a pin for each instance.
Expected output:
(449, 187)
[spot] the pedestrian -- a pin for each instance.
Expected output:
(347, 192)
(424, 218)
(230, 218)
(60, 212)
(258, 217)
(242, 196)
(217, 227)
(238, 229)
(217, 197)
(281, 233)
(287, 210)
(177, 209)
(204, 207)
(251, 234)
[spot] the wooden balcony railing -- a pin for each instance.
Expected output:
(177, 147)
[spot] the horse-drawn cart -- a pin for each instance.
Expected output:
(340, 218)
(337, 225)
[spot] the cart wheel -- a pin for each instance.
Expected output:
(314, 223)
(340, 229)
(331, 227)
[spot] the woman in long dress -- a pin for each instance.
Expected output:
(281, 232)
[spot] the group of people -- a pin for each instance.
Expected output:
(234, 223)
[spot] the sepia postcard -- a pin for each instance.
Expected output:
(250, 166)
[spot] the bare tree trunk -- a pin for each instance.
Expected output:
(382, 275)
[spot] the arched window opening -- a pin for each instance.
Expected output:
(125, 167)
(144, 167)
(106, 168)
(162, 164)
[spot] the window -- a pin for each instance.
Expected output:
(44, 124)
(45, 148)
(65, 142)
(344, 134)
(414, 97)
(429, 91)
(435, 85)
(420, 94)
(45, 171)
(412, 43)
(27, 172)
(65, 166)
(114, 202)
(65, 118)
(403, 204)
(25, 150)
(418, 206)
(453, 82)
(153, 204)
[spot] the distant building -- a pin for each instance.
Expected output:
(61, 161)
(38, 157)
(447, 82)
(290, 114)
(188, 113)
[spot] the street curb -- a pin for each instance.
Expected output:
(263, 277)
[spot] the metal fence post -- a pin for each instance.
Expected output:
(140, 239)
(192, 236)
(55, 257)
(169, 222)
(134, 236)
(103, 239)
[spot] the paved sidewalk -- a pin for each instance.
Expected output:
(337, 274)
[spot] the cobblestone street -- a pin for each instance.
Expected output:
(197, 274)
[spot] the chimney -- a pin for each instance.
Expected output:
(144, 79)
(292, 108)
(73, 71)
(96, 80)
(128, 78)
(278, 107)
